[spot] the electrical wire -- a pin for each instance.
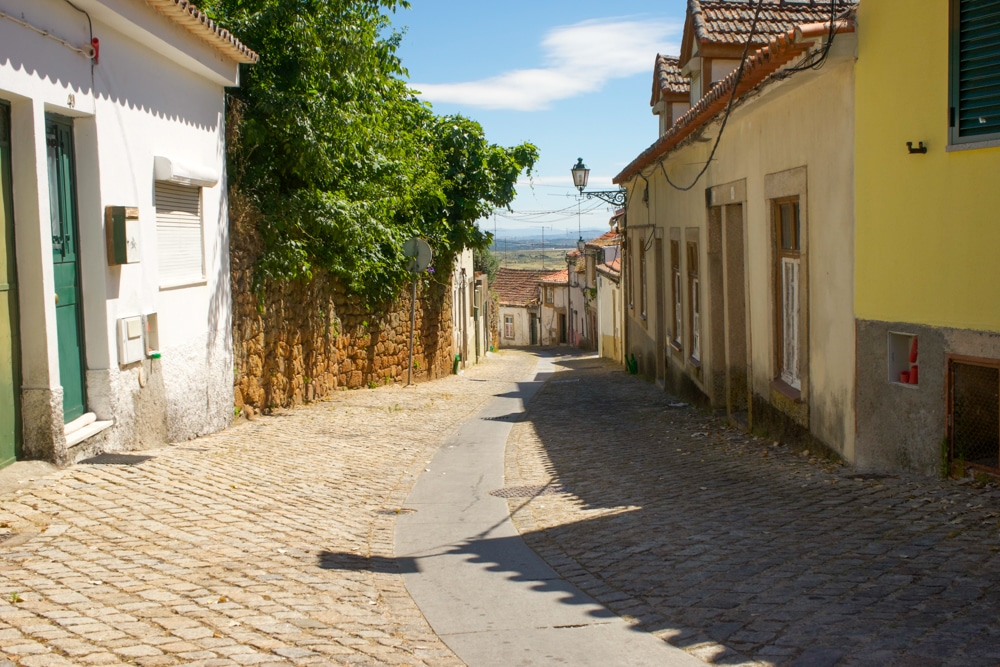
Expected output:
(729, 106)
(817, 59)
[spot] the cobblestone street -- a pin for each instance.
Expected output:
(271, 543)
(267, 544)
(743, 552)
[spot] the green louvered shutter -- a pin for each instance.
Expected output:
(975, 85)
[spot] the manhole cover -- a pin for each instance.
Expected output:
(529, 491)
(116, 460)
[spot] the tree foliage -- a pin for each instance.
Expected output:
(341, 158)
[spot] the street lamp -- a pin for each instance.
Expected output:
(580, 176)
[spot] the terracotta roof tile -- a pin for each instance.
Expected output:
(612, 268)
(667, 78)
(556, 277)
(729, 21)
(518, 287)
(196, 21)
(761, 64)
(606, 239)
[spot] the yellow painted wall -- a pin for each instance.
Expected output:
(927, 226)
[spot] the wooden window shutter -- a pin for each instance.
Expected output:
(179, 234)
(976, 69)
(790, 322)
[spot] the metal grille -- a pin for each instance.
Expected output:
(975, 414)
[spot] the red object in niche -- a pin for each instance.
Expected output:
(904, 377)
(913, 375)
(913, 351)
(96, 43)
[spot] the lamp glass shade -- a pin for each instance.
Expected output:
(580, 174)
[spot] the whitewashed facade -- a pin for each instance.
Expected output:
(116, 112)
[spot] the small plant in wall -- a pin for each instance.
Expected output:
(15, 597)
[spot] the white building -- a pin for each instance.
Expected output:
(518, 295)
(114, 211)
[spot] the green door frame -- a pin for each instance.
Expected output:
(10, 349)
(65, 261)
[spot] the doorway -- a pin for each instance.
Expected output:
(737, 332)
(65, 261)
(10, 353)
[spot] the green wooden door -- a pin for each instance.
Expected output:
(65, 245)
(10, 354)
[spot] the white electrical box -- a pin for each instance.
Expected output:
(130, 344)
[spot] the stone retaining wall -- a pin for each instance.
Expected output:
(304, 341)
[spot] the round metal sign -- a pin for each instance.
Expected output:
(419, 254)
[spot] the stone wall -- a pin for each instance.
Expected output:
(306, 340)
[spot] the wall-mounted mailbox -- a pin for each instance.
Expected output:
(121, 225)
(130, 343)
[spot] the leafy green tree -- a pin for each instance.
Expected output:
(340, 157)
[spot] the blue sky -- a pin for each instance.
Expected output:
(574, 78)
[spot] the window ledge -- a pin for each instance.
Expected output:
(787, 390)
(192, 282)
(972, 145)
(694, 361)
(676, 347)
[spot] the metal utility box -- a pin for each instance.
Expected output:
(121, 226)
(130, 340)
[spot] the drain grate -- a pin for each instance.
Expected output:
(529, 491)
(116, 460)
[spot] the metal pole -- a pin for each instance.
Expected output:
(413, 325)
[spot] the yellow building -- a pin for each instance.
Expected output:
(927, 271)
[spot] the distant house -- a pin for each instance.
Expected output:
(604, 307)
(596, 254)
(518, 294)
(739, 278)
(115, 304)
(470, 311)
(553, 310)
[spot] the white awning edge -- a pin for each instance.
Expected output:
(166, 169)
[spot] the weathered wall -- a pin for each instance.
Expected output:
(311, 339)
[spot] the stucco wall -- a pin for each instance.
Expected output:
(609, 316)
(926, 223)
(157, 90)
(522, 326)
(795, 135)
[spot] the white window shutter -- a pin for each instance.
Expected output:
(179, 238)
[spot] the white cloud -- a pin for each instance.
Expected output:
(579, 58)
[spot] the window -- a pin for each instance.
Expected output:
(550, 295)
(694, 299)
(787, 263)
(975, 71)
(508, 326)
(642, 281)
(179, 234)
(677, 309)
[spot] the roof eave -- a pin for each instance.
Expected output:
(761, 64)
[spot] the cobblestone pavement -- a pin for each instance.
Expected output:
(743, 552)
(268, 544)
